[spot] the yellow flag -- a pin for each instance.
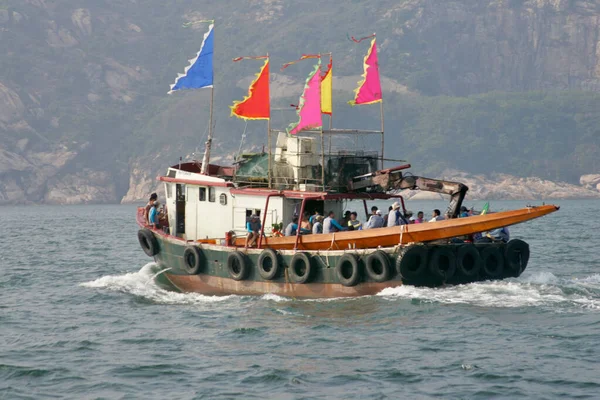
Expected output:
(326, 88)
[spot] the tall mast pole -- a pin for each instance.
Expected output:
(206, 158)
(382, 134)
(322, 144)
(270, 172)
(207, 145)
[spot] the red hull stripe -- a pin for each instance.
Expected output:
(194, 182)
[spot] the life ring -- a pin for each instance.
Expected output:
(347, 270)
(268, 264)
(377, 266)
(412, 263)
(192, 259)
(442, 263)
(516, 256)
(300, 268)
(148, 242)
(468, 261)
(237, 266)
(492, 262)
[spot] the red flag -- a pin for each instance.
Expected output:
(257, 104)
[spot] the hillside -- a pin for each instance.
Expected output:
(482, 86)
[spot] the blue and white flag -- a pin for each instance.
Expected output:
(199, 74)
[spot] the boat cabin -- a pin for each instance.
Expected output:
(206, 207)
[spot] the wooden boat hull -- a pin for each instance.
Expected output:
(217, 286)
(404, 234)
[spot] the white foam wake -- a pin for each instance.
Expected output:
(538, 290)
(143, 284)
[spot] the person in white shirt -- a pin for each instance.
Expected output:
(376, 220)
(436, 216)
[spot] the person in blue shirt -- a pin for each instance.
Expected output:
(464, 212)
(292, 227)
(253, 228)
(330, 225)
(153, 215)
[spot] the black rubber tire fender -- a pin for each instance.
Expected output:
(468, 261)
(493, 262)
(237, 266)
(300, 268)
(516, 257)
(348, 263)
(148, 242)
(268, 264)
(442, 263)
(411, 264)
(377, 266)
(192, 260)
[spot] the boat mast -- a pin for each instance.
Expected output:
(382, 134)
(207, 145)
(197, 76)
(270, 172)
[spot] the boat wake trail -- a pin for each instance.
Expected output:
(145, 284)
(543, 290)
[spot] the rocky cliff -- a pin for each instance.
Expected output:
(84, 116)
(507, 187)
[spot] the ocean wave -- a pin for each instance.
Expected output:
(538, 290)
(143, 284)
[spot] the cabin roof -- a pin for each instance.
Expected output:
(296, 194)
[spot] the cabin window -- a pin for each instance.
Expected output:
(250, 211)
(212, 194)
(169, 190)
(223, 199)
(202, 194)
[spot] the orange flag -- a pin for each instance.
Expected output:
(257, 104)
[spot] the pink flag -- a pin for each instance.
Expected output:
(369, 89)
(309, 109)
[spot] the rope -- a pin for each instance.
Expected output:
(361, 39)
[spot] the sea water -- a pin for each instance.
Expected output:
(85, 314)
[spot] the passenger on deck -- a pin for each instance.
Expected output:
(344, 221)
(305, 224)
(153, 215)
(376, 221)
(292, 227)
(153, 198)
(419, 219)
(436, 216)
(408, 216)
(395, 217)
(354, 224)
(253, 228)
(312, 217)
(330, 225)
(463, 212)
(317, 225)
(387, 216)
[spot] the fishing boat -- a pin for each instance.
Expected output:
(202, 245)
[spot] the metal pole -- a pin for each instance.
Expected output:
(322, 159)
(264, 221)
(270, 173)
(207, 146)
(330, 128)
(299, 223)
(382, 134)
